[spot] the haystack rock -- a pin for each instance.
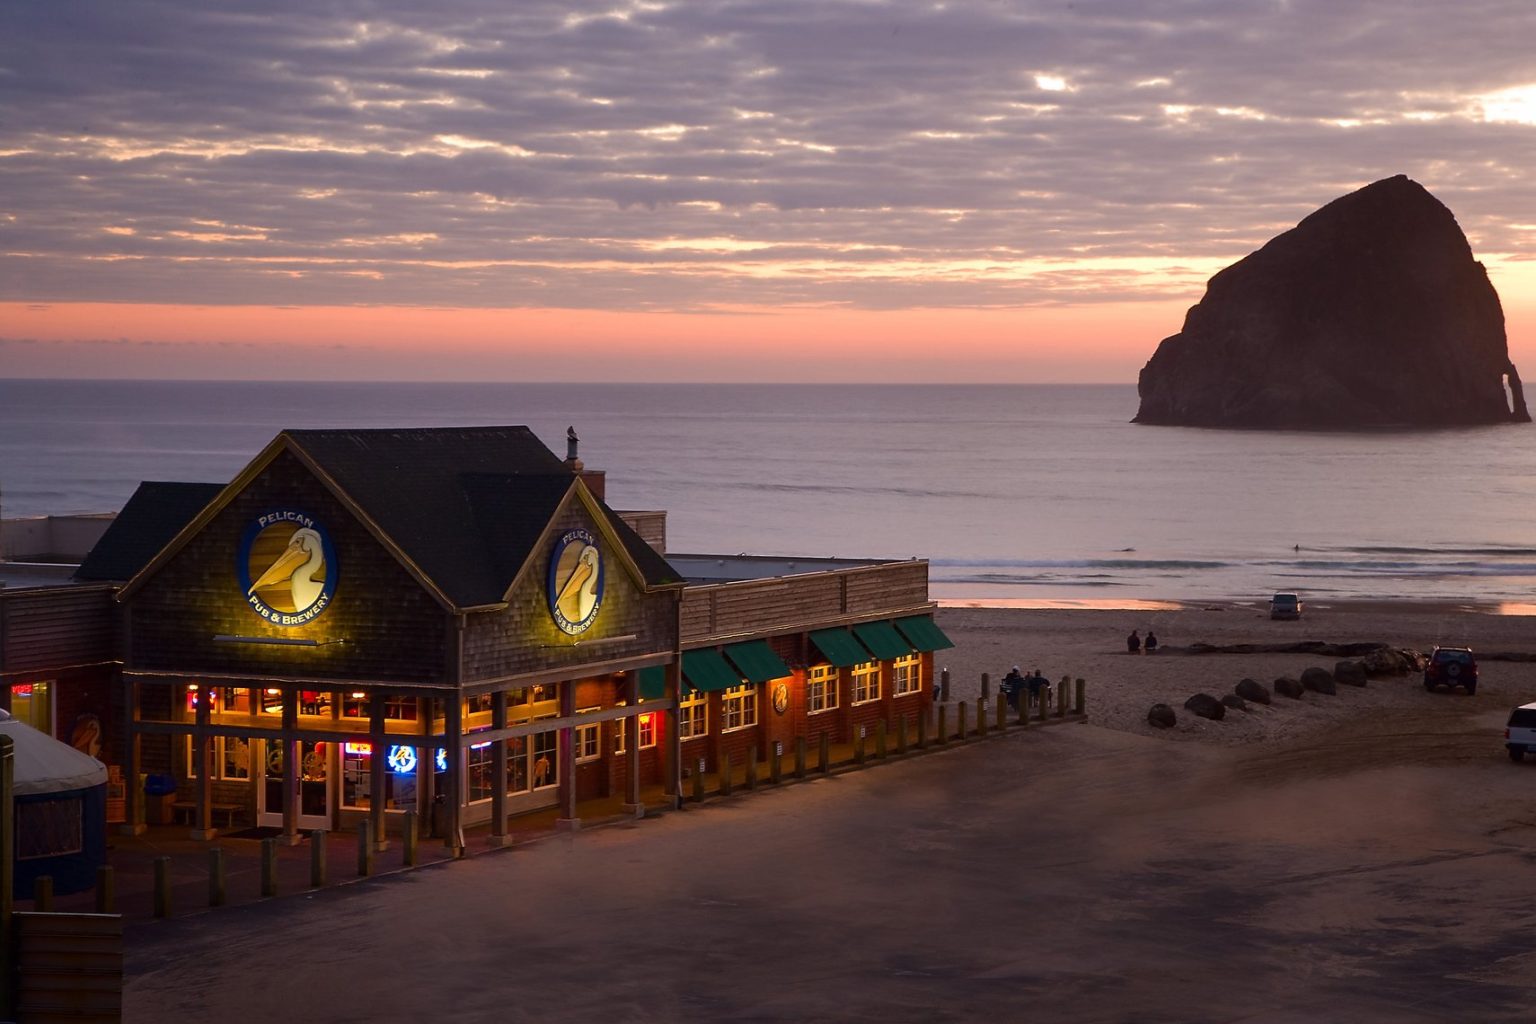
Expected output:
(1369, 313)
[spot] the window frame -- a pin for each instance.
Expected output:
(738, 704)
(821, 688)
(906, 675)
(864, 672)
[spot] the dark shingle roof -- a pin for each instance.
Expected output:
(155, 514)
(465, 504)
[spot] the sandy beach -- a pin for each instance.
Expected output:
(1090, 643)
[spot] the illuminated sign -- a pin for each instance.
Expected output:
(575, 588)
(441, 759)
(287, 567)
(358, 748)
(402, 760)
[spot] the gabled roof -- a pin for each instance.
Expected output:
(462, 507)
(155, 514)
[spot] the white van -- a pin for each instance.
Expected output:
(1520, 734)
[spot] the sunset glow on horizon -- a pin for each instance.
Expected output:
(818, 191)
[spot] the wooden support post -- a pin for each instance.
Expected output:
(901, 736)
(453, 800)
(944, 686)
(42, 894)
(752, 766)
(364, 848)
(268, 868)
(986, 685)
(202, 754)
(377, 782)
(1082, 690)
(880, 739)
(133, 807)
(698, 786)
(631, 732)
(408, 839)
(943, 731)
(163, 886)
(293, 766)
(960, 718)
(318, 861)
(725, 775)
(106, 889)
(1061, 696)
(672, 761)
(799, 757)
(218, 888)
(499, 835)
(776, 764)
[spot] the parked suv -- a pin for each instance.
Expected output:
(1451, 666)
(1520, 734)
(1285, 606)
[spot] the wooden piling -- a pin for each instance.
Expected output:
(106, 889)
(162, 887)
(698, 785)
(1002, 714)
(824, 754)
(799, 757)
(725, 775)
(1082, 706)
(986, 685)
(268, 868)
(943, 731)
(752, 766)
(901, 736)
(776, 764)
(1045, 703)
(408, 839)
(318, 861)
(218, 884)
(858, 746)
(981, 717)
(364, 848)
(1061, 696)
(922, 731)
(960, 720)
(944, 686)
(42, 893)
(1024, 707)
(880, 739)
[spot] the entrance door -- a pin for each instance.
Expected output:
(314, 785)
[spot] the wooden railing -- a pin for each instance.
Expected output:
(70, 967)
(747, 608)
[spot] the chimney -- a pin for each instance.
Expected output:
(596, 479)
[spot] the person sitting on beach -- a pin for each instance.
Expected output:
(1012, 685)
(1133, 643)
(1036, 680)
(1151, 644)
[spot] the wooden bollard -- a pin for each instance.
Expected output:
(318, 861)
(364, 848)
(944, 686)
(1061, 696)
(725, 775)
(858, 746)
(981, 717)
(824, 754)
(799, 757)
(408, 839)
(901, 736)
(698, 785)
(986, 685)
(218, 886)
(752, 766)
(880, 739)
(42, 893)
(1024, 707)
(776, 763)
(922, 731)
(106, 889)
(269, 868)
(943, 731)
(1002, 714)
(1082, 704)
(1045, 703)
(162, 902)
(960, 719)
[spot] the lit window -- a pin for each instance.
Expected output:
(479, 768)
(906, 675)
(738, 707)
(231, 757)
(820, 688)
(647, 732)
(866, 682)
(546, 762)
(586, 740)
(693, 714)
(31, 703)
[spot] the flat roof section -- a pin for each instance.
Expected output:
(20, 575)
(735, 568)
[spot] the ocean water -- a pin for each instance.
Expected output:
(1027, 493)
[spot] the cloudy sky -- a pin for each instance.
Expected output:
(521, 189)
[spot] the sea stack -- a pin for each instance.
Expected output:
(1370, 313)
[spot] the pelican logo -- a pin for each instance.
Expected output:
(287, 567)
(575, 581)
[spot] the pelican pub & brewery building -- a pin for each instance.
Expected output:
(451, 621)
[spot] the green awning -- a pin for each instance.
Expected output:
(839, 647)
(924, 633)
(653, 682)
(882, 640)
(707, 671)
(757, 661)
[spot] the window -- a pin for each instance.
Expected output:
(396, 707)
(31, 703)
(738, 707)
(231, 758)
(49, 828)
(906, 675)
(866, 682)
(820, 688)
(647, 732)
(357, 780)
(479, 767)
(693, 714)
(546, 760)
(585, 738)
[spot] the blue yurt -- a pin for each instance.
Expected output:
(61, 811)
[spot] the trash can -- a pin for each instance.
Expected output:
(159, 795)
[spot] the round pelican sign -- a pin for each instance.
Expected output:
(575, 581)
(287, 567)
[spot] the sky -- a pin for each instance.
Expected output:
(709, 190)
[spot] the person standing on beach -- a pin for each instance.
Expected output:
(1151, 644)
(1133, 643)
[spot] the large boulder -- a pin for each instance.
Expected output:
(1318, 680)
(1385, 662)
(1234, 702)
(1206, 706)
(1349, 673)
(1252, 690)
(1162, 716)
(1371, 312)
(1285, 686)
